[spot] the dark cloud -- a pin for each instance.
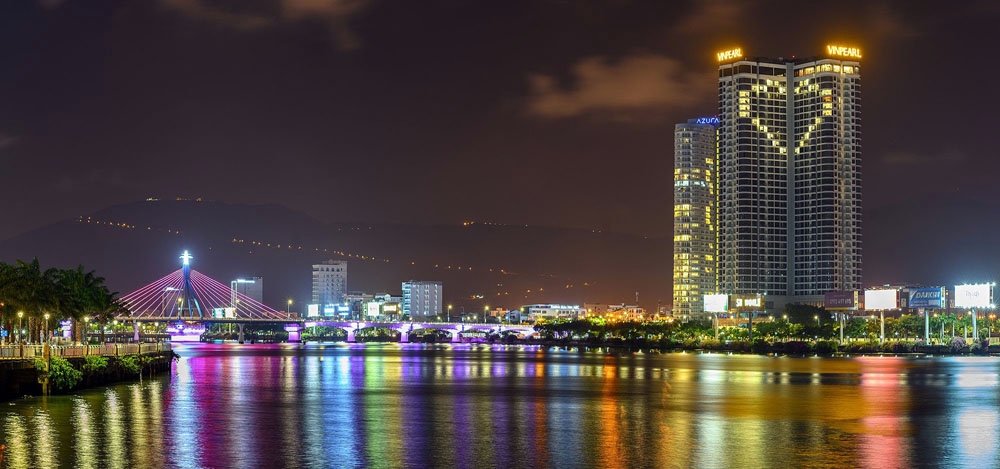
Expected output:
(634, 84)
(335, 14)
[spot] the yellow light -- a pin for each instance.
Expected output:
(730, 54)
(841, 51)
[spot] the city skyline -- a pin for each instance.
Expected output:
(281, 99)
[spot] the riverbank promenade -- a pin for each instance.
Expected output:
(10, 353)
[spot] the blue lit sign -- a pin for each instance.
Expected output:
(707, 120)
(926, 298)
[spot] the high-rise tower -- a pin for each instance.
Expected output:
(694, 215)
(789, 162)
(329, 282)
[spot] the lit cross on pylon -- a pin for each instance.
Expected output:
(188, 300)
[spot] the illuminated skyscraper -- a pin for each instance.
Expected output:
(329, 282)
(422, 300)
(694, 215)
(789, 183)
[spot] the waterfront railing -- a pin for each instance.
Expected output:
(24, 352)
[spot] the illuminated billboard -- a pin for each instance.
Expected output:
(974, 296)
(223, 312)
(716, 303)
(881, 299)
(840, 300)
(312, 311)
(926, 298)
(747, 302)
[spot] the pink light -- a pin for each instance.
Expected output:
(149, 302)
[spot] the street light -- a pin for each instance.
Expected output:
(47, 334)
(289, 310)
(20, 314)
(86, 324)
(449, 313)
(486, 309)
(816, 317)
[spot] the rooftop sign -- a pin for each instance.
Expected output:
(730, 54)
(707, 120)
(841, 51)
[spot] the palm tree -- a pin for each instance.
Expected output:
(26, 287)
(80, 295)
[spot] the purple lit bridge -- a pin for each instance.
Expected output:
(455, 330)
(186, 300)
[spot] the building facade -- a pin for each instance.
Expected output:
(694, 215)
(552, 311)
(789, 175)
(422, 300)
(329, 282)
(251, 286)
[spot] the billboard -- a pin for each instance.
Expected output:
(716, 303)
(747, 302)
(840, 300)
(881, 299)
(974, 296)
(223, 312)
(932, 297)
(312, 311)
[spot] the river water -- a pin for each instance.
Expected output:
(517, 406)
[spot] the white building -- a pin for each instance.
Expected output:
(422, 300)
(789, 175)
(551, 311)
(329, 282)
(251, 286)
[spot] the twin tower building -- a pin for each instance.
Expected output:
(767, 195)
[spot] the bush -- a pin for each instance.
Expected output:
(131, 364)
(711, 344)
(760, 346)
(898, 347)
(863, 347)
(738, 346)
(62, 375)
(94, 363)
(825, 347)
(957, 345)
(797, 347)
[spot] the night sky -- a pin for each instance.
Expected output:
(538, 112)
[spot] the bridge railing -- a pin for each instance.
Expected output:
(24, 352)
(69, 351)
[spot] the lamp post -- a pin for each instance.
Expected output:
(289, 310)
(47, 334)
(449, 313)
(20, 314)
(86, 324)
(486, 310)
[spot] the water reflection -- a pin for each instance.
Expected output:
(489, 406)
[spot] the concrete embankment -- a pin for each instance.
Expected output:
(40, 369)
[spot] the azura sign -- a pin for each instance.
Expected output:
(841, 51)
(707, 120)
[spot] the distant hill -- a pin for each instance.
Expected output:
(554, 264)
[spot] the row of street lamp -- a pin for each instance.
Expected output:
(20, 329)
